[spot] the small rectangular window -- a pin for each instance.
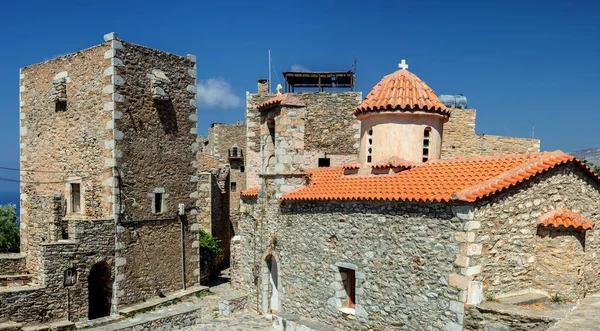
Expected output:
(233, 186)
(369, 159)
(324, 162)
(349, 280)
(242, 168)
(158, 202)
(60, 106)
(75, 197)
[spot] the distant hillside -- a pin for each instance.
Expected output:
(591, 155)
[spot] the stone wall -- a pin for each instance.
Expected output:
(252, 156)
(484, 318)
(213, 201)
(157, 145)
(154, 152)
(12, 264)
(92, 242)
(330, 130)
(517, 254)
(62, 146)
(460, 139)
(152, 250)
(222, 137)
(403, 255)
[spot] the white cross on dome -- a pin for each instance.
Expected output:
(403, 65)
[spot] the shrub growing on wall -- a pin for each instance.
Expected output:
(209, 245)
(9, 231)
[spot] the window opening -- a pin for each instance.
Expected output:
(60, 106)
(349, 281)
(324, 162)
(426, 135)
(158, 202)
(370, 145)
(233, 186)
(75, 197)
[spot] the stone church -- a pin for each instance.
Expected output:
(401, 237)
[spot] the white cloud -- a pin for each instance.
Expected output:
(217, 93)
(299, 67)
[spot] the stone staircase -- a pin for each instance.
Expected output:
(12, 272)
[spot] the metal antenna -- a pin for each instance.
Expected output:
(269, 70)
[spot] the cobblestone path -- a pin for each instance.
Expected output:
(245, 320)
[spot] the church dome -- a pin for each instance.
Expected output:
(402, 91)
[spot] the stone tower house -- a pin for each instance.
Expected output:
(108, 153)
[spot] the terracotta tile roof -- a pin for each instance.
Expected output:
(395, 162)
(351, 165)
(250, 193)
(466, 179)
(402, 90)
(284, 99)
(563, 217)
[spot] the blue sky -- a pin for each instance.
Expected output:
(522, 64)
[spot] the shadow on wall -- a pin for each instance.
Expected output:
(166, 116)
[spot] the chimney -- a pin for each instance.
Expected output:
(263, 86)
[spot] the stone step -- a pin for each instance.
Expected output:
(289, 322)
(130, 314)
(15, 280)
(168, 299)
(57, 325)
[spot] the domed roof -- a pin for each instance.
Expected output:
(402, 91)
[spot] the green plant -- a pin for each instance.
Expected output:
(557, 299)
(490, 298)
(9, 230)
(203, 294)
(209, 243)
(274, 240)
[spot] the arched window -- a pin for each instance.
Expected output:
(234, 151)
(426, 136)
(370, 145)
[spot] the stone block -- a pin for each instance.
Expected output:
(474, 249)
(462, 261)
(464, 236)
(191, 57)
(120, 261)
(475, 293)
(192, 88)
(457, 307)
(472, 225)
(346, 265)
(471, 271)
(458, 281)
(110, 36)
(451, 326)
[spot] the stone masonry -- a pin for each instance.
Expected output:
(330, 130)
(109, 152)
(434, 260)
(460, 139)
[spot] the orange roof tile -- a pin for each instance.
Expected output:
(395, 162)
(283, 99)
(351, 165)
(466, 179)
(563, 217)
(402, 90)
(250, 193)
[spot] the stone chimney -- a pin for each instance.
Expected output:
(263, 86)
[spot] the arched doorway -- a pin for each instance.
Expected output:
(271, 285)
(99, 291)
